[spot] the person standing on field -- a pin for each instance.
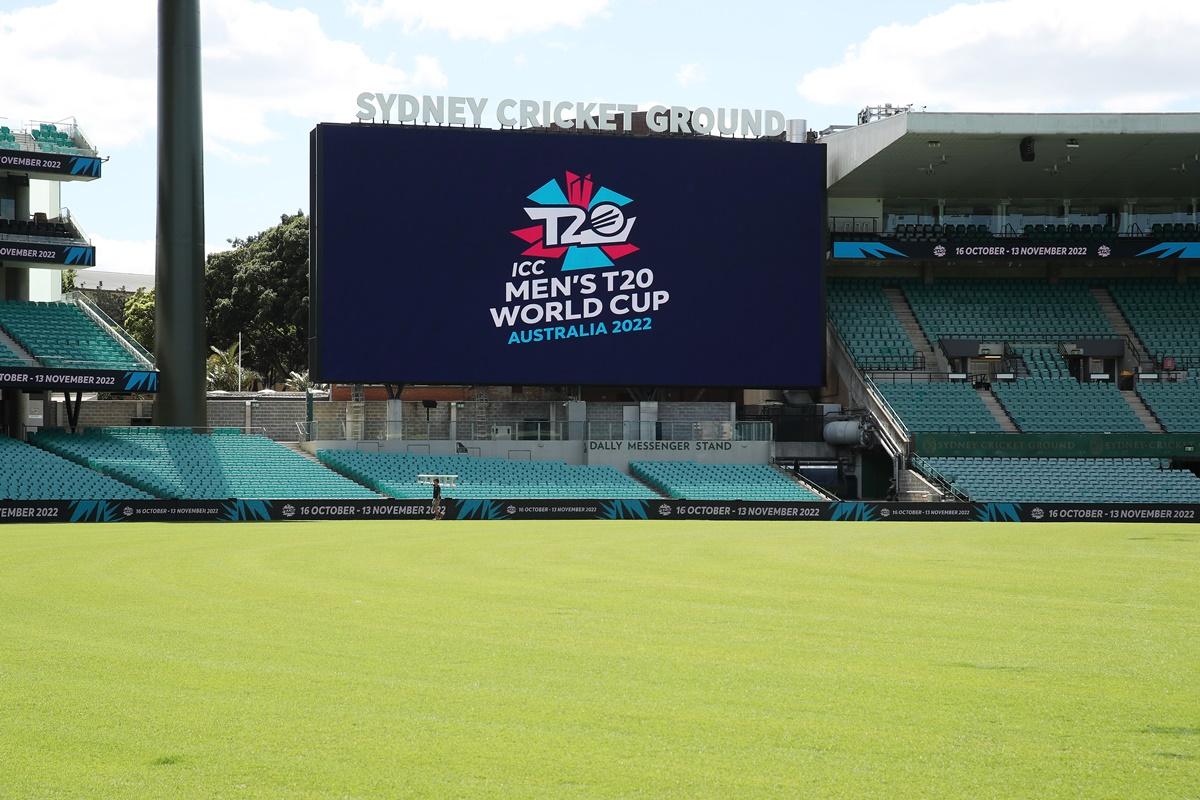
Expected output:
(436, 508)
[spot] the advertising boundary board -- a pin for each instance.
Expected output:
(723, 510)
(1125, 248)
(67, 255)
(55, 379)
(20, 162)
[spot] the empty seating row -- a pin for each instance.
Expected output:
(928, 232)
(938, 406)
(1063, 231)
(1175, 404)
(395, 474)
(863, 316)
(8, 358)
(1183, 231)
(1164, 314)
(28, 473)
(62, 335)
(1064, 405)
(1005, 308)
(1068, 480)
(177, 463)
(26, 227)
(692, 481)
(1042, 361)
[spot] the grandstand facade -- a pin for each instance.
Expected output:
(1021, 284)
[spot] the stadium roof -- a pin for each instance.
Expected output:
(1116, 156)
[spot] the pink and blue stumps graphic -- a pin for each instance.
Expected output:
(581, 194)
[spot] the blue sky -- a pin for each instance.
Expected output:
(273, 68)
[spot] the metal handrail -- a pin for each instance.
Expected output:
(248, 430)
(923, 466)
(113, 329)
(892, 413)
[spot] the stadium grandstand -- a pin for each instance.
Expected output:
(1012, 315)
(1021, 284)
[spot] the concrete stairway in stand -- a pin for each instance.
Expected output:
(934, 361)
(1112, 312)
(1142, 411)
(998, 412)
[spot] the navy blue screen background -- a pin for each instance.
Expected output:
(413, 244)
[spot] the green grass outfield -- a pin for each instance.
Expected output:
(600, 659)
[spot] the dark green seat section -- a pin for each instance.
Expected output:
(1164, 314)
(689, 480)
(1010, 310)
(1175, 404)
(177, 463)
(10, 359)
(395, 474)
(864, 318)
(1064, 405)
(1049, 400)
(28, 473)
(938, 406)
(62, 335)
(1068, 480)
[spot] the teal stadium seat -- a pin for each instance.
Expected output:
(1012, 309)
(177, 463)
(1049, 400)
(395, 475)
(864, 318)
(62, 335)
(1176, 404)
(938, 406)
(689, 480)
(1067, 480)
(1164, 314)
(28, 473)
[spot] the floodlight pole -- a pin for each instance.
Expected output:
(179, 335)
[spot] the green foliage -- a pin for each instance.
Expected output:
(259, 288)
(300, 382)
(68, 277)
(139, 317)
(222, 370)
(596, 660)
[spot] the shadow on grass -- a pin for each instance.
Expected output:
(1171, 731)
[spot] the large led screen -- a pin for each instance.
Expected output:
(467, 256)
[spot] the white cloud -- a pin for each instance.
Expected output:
(124, 255)
(689, 74)
(1024, 55)
(134, 255)
(258, 60)
(493, 20)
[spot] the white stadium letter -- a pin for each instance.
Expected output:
(407, 108)
(366, 109)
(656, 119)
(503, 113)
(385, 101)
(477, 104)
(457, 111)
(773, 123)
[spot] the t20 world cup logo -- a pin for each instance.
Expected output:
(584, 226)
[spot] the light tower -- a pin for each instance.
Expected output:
(179, 334)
